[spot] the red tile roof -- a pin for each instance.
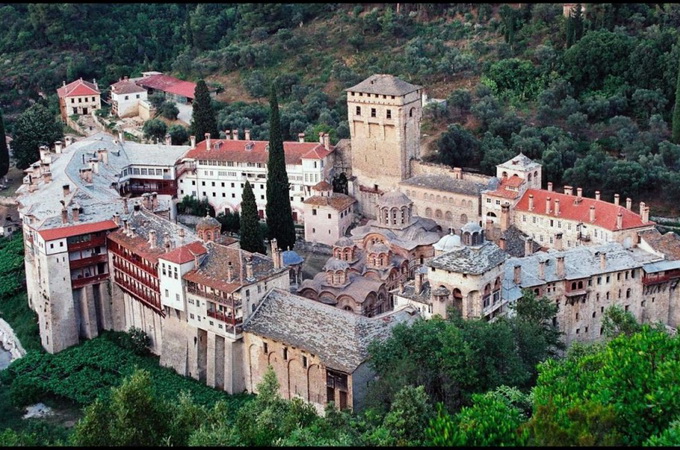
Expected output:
(75, 230)
(185, 253)
(504, 186)
(605, 212)
(236, 150)
(167, 83)
(322, 186)
(78, 88)
(337, 201)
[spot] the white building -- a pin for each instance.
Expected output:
(217, 169)
(125, 98)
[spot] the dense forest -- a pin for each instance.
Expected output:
(591, 95)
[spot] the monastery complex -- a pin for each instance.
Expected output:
(408, 241)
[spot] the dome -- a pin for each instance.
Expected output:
(208, 222)
(380, 248)
(290, 258)
(394, 198)
(448, 243)
(471, 227)
(335, 264)
(344, 242)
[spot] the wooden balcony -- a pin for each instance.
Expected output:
(96, 241)
(84, 262)
(648, 280)
(80, 282)
(153, 285)
(152, 301)
(221, 299)
(224, 317)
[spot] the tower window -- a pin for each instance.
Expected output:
(358, 110)
(389, 113)
(373, 112)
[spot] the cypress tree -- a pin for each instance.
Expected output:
(4, 151)
(279, 213)
(676, 112)
(251, 234)
(203, 119)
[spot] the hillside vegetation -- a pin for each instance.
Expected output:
(591, 96)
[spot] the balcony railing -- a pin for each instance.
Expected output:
(153, 285)
(218, 298)
(96, 241)
(219, 315)
(84, 262)
(143, 297)
(647, 279)
(80, 282)
(132, 259)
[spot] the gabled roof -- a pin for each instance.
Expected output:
(339, 338)
(520, 162)
(78, 88)
(337, 201)
(578, 209)
(384, 84)
(75, 230)
(185, 253)
(126, 87)
(256, 151)
(167, 83)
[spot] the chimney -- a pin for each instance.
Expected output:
(320, 137)
(418, 281)
(531, 202)
(152, 239)
(145, 200)
(518, 274)
(560, 267)
(457, 173)
(193, 141)
(501, 243)
(629, 203)
(557, 206)
(126, 227)
(94, 165)
(104, 156)
(619, 220)
(234, 134)
(68, 140)
(568, 190)
(125, 206)
(167, 242)
(301, 137)
(645, 214)
(75, 210)
(603, 260)
(67, 189)
(550, 186)
(47, 177)
(64, 83)
(597, 195)
(528, 247)
(247, 133)
(180, 233)
(559, 245)
(168, 139)
(64, 214)
(505, 216)
(592, 213)
(249, 268)
(541, 269)
(227, 135)
(488, 228)
(116, 219)
(230, 272)
(275, 254)
(154, 201)
(207, 141)
(58, 146)
(327, 141)
(616, 199)
(579, 192)
(547, 205)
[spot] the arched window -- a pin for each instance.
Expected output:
(428, 212)
(529, 177)
(438, 214)
(628, 293)
(580, 284)
(573, 286)
(411, 111)
(505, 174)
(439, 198)
(394, 216)
(463, 218)
(448, 216)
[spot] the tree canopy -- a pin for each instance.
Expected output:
(35, 127)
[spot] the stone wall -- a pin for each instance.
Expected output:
(9, 341)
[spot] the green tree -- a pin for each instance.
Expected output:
(133, 416)
(251, 234)
(458, 147)
(155, 129)
(619, 393)
(168, 110)
(409, 415)
(616, 321)
(34, 127)
(278, 209)
(676, 112)
(204, 119)
(4, 151)
(178, 134)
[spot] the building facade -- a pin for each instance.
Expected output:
(78, 97)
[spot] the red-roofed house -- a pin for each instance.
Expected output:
(218, 168)
(78, 97)
(175, 90)
(328, 214)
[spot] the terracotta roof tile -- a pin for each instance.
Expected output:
(571, 209)
(337, 201)
(77, 88)
(254, 151)
(75, 230)
(167, 83)
(185, 253)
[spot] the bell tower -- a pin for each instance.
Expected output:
(384, 115)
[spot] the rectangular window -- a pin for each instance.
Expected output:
(314, 212)
(167, 293)
(373, 112)
(265, 348)
(389, 114)
(285, 354)
(358, 110)
(304, 361)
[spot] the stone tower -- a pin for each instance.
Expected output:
(384, 115)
